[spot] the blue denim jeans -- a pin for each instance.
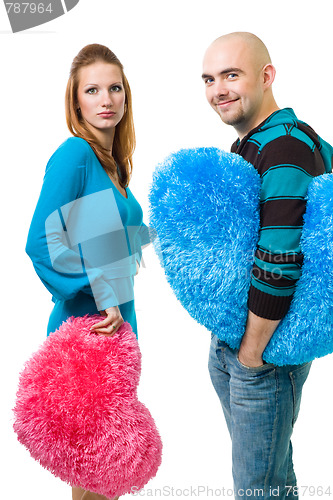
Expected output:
(260, 406)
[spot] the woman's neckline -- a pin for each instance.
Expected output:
(121, 194)
(113, 184)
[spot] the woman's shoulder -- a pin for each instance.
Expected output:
(75, 146)
(74, 152)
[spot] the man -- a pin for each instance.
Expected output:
(261, 401)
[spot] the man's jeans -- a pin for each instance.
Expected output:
(260, 405)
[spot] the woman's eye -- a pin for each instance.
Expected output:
(116, 88)
(91, 91)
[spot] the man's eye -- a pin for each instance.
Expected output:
(232, 76)
(209, 80)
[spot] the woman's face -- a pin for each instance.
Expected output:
(101, 97)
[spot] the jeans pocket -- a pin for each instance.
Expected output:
(255, 369)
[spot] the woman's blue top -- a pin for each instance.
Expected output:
(85, 238)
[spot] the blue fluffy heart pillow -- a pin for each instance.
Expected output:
(204, 206)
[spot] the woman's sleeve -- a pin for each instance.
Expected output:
(140, 238)
(57, 260)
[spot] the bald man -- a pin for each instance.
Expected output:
(261, 401)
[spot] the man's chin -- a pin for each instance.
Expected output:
(231, 120)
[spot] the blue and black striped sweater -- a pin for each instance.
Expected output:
(287, 154)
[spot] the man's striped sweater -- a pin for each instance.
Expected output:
(287, 154)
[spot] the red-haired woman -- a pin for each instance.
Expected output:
(87, 232)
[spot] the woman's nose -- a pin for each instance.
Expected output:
(106, 99)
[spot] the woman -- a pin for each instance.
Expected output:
(86, 234)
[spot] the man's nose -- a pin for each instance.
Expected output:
(221, 89)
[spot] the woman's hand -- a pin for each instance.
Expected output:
(110, 324)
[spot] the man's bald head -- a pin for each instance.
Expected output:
(255, 48)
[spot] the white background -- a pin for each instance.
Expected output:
(161, 44)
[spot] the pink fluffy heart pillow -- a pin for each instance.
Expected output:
(78, 414)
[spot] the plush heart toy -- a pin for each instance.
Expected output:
(204, 206)
(78, 414)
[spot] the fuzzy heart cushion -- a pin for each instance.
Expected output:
(78, 414)
(204, 206)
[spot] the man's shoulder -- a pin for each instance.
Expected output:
(284, 139)
(285, 142)
(285, 136)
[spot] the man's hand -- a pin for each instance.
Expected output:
(257, 334)
(249, 358)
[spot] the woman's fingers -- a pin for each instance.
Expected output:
(109, 326)
(111, 314)
(101, 323)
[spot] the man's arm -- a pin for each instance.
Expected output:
(287, 165)
(256, 337)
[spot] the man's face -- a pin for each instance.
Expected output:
(234, 84)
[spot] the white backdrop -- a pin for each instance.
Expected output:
(161, 45)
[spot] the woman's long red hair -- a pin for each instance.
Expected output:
(124, 138)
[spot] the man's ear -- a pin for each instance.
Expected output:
(268, 73)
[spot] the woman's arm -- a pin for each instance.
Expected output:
(57, 261)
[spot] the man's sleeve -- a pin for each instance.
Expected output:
(287, 165)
